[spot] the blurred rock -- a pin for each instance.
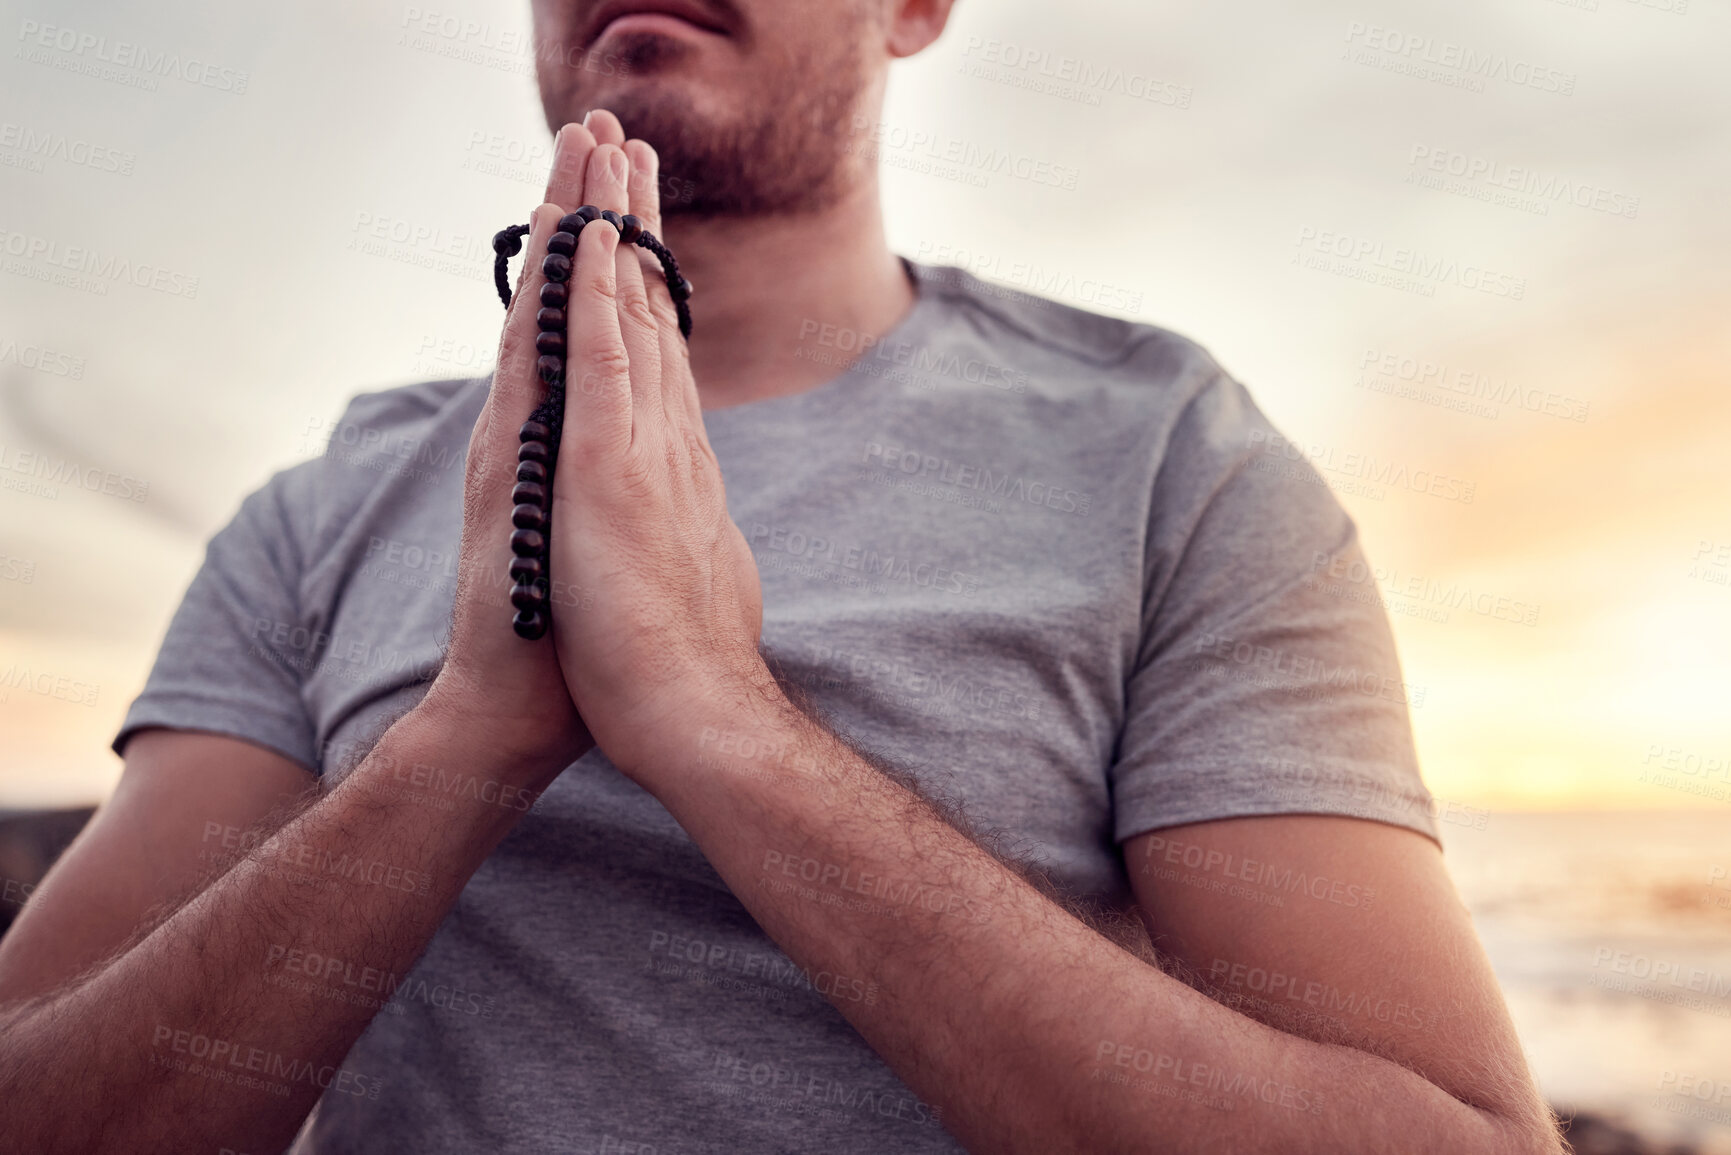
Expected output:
(30, 841)
(1590, 1134)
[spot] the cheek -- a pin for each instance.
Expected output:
(559, 62)
(552, 18)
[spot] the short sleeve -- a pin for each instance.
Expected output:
(1265, 682)
(239, 646)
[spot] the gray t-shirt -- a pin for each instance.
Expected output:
(1055, 565)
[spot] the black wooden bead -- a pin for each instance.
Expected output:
(526, 569)
(528, 517)
(506, 244)
(529, 493)
(682, 290)
(562, 243)
(587, 213)
(528, 542)
(550, 320)
(613, 219)
(533, 431)
(528, 598)
(532, 471)
(531, 624)
(550, 341)
(534, 451)
(556, 267)
(571, 223)
(630, 228)
(553, 295)
(550, 368)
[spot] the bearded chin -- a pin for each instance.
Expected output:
(789, 152)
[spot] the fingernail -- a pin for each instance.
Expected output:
(586, 117)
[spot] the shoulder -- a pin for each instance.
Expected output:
(395, 447)
(1153, 376)
(1058, 336)
(425, 407)
(422, 428)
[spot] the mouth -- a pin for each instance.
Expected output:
(663, 17)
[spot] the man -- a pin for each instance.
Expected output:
(624, 889)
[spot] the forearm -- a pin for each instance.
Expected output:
(1030, 1031)
(188, 1038)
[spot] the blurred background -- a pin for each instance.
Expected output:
(1481, 243)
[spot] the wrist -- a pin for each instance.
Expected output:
(706, 723)
(446, 745)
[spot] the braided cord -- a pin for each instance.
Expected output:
(507, 243)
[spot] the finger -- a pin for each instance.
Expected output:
(641, 330)
(606, 187)
(598, 401)
(678, 389)
(571, 151)
(604, 126)
(606, 178)
(679, 395)
(517, 388)
(513, 394)
(680, 386)
(645, 184)
(645, 193)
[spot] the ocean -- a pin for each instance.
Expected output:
(1611, 934)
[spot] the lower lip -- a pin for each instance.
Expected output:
(656, 23)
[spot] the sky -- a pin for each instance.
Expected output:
(1470, 258)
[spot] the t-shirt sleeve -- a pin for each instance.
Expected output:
(239, 646)
(1266, 679)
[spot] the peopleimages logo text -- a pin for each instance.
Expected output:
(125, 54)
(1423, 267)
(1468, 63)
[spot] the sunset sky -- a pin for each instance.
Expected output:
(1553, 223)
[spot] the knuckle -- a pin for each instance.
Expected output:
(637, 479)
(608, 366)
(515, 365)
(590, 384)
(662, 305)
(637, 310)
(591, 447)
(601, 283)
(581, 450)
(516, 361)
(510, 342)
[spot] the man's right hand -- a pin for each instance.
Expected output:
(492, 680)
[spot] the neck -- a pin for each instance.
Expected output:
(772, 293)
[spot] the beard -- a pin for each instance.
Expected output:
(790, 151)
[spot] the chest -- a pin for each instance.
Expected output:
(973, 630)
